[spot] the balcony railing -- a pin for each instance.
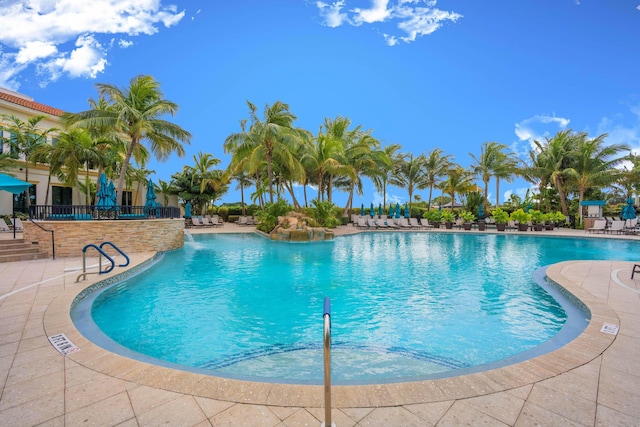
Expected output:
(85, 212)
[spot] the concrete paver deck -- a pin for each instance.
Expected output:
(593, 381)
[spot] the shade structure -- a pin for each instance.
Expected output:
(480, 211)
(407, 214)
(379, 208)
(362, 210)
(187, 210)
(628, 210)
(104, 198)
(372, 212)
(112, 195)
(14, 186)
(151, 196)
(390, 210)
(397, 210)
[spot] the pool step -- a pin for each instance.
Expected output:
(20, 250)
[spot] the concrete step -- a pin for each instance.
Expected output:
(20, 250)
(23, 257)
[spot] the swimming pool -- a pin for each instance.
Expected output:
(405, 305)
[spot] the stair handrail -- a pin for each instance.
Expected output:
(119, 251)
(84, 261)
(53, 240)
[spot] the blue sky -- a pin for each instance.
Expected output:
(422, 74)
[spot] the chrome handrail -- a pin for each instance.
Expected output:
(84, 261)
(327, 361)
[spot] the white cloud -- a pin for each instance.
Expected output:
(40, 33)
(332, 13)
(539, 126)
(125, 43)
(413, 18)
(621, 129)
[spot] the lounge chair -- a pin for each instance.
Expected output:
(511, 225)
(459, 223)
(17, 224)
(4, 227)
(631, 226)
(362, 222)
(216, 221)
(404, 223)
(617, 226)
(599, 226)
(413, 222)
(424, 222)
(382, 223)
(242, 220)
(195, 221)
(207, 222)
(371, 223)
(392, 224)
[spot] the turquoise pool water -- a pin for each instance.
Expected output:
(404, 305)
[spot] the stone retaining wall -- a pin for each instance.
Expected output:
(130, 236)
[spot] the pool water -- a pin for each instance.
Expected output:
(404, 305)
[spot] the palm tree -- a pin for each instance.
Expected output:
(557, 157)
(164, 188)
(271, 139)
(25, 140)
(594, 164)
(7, 162)
(410, 174)
(386, 164)
(458, 181)
(436, 165)
(74, 152)
(137, 113)
(493, 161)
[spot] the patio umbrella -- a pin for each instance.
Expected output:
(397, 210)
(187, 210)
(390, 211)
(14, 186)
(104, 198)
(407, 214)
(629, 210)
(362, 210)
(151, 196)
(371, 211)
(112, 195)
(480, 211)
(379, 208)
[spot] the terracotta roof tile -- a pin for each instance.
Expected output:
(30, 104)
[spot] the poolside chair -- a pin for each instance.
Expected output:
(362, 223)
(382, 223)
(242, 220)
(404, 223)
(599, 226)
(631, 226)
(17, 224)
(195, 221)
(617, 226)
(413, 222)
(216, 221)
(207, 222)
(371, 223)
(392, 224)
(4, 227)
(459, 223)
(511, 225)
(424, 222)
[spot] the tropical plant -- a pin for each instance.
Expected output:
(537, 217)
(448, 216)
(385, 169)
(458, 181)
(410, 174)
(493, 161)
(164, 188)
(436, 165)
(324, 213)
(467, 216)
(521, 216)
(500, 216)
(137, 113)
(433, 216)
(268, 218)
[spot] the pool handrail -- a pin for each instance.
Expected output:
(119, 251)
(327, 362)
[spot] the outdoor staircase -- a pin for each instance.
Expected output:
(20, 250)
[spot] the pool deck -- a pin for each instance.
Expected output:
(592, 381)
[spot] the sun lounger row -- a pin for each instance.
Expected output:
(365, 222)
(618, 226)
(247, 220)
(206, 221)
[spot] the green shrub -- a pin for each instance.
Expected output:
(324, 214)
(500, 216)
(233, 218)
(536, 216)
(467, 216)
(434, 215)
(521, 216)
(223, 211)
(448, 216)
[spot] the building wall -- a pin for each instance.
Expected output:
(130, 236)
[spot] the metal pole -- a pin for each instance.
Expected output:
(327, 362)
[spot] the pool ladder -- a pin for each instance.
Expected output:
(327, 363)
(101, 253)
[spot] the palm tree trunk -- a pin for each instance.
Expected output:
(430, 191)
(289, 186)
(497, 192)
(270, 177)
(563, 201)
(329, 188)
(242, 198)
(345, 212)
(125, 165)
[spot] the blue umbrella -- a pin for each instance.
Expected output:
(371, 211)
(151, 196)
(390, 211)
(397, 210)
(379, 208)
(362, 210)
(112, 195)
(187, 210)
(14, 186)
(407, 214)
(480, 211)
(629, 210)
(104, 198)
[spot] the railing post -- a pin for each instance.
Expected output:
(327, 362)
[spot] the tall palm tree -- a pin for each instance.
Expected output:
(386, 163)
(436, 165)
(75, 151)
(410, 174)
(137, 114)
(494, 161)
(594, 164)
(272, 139)
(26, 138)
(458, 181)
(557, 157)
(7, 162)
(164, 188)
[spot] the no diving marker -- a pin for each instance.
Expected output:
(610, 328)
(62, 344)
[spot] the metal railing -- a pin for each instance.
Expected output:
(327, 362)
(91, 212)
(53, 240)
(101, 253)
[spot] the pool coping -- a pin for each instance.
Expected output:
(582, 350)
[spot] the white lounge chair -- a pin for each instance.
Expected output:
(404, 223)
(17, 224)
(371, 223)
(196, 222)
(599, 226)
(362, 222)
(216, 221)
(4, 227)
(413, 222)
(617, 226)
(424, 222)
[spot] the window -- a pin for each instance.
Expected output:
(126, 198)
(61, 196)
(54, 141)
(20, 201)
